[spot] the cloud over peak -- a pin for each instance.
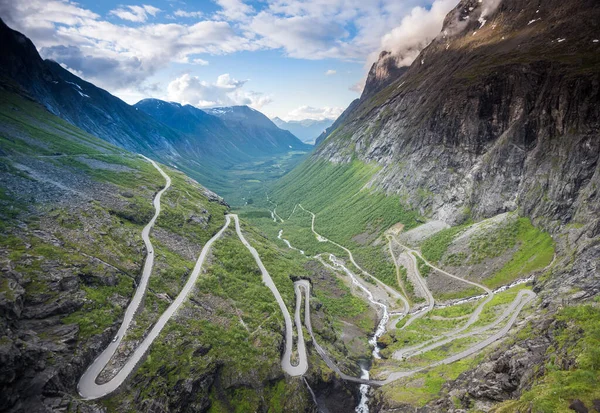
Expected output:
(134, 45)
(416, 30)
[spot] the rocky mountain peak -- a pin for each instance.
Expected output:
(384, 71)
(505, 82)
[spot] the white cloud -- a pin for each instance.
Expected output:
(318, 29)
(416, 30)
(358, 86)
(183, 13)
(234, 10)
(75, 72)
(120, 57)
(115, 56)
(200, 62)
(309, 112)
(138, 14)
(330, 72)
(303, 37)
(226, 91)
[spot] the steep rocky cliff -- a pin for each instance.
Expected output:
(500, 111)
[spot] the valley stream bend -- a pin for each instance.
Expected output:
(89, 388)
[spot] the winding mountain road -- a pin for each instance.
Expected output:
(524, 297)
(286, 362)
(451, 335)
(383, 285)
(89, 388)
(513, 310)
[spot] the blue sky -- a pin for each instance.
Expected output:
(292, 59)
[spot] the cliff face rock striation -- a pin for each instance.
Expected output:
(500, 111)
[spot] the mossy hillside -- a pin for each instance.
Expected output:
(442, 320)
(518, 246)
(536, 251)
(435, 247)
(171, 268)
(116, 225)
(341, 320)
(101, 307)
(424, 387)
(332, 301)
(456, 295)
(333, 306)
(188, 212)
(76, 247)
(337, 194)
(497, 304)
(104, 286)
(436, 322)
(572, 370)
(346, 306)
(408, 287)
(235, 319)
(346, 211)
(296, 229)
(30, 129)
(281, 396)
(422, 266)
(188, 216)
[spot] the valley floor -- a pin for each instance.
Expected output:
(414, 338)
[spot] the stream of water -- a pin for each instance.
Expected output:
(290, 246)
(363, 406)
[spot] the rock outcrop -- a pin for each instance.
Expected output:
(499, 112)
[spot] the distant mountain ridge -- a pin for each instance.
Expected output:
(250, 122)
(197, 142)
(231, 134)
(307, 130)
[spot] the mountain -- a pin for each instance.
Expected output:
(258, 128)
(383, 72)
(444, 234)
(307, 130)
(498, 118)
(72, 211)
(203, 146)
(79, 102)
(239, 136)
(339, 121)
(478, 99)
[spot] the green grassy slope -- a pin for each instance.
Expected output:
(346, 211)
(572, 368)
(72, 208)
